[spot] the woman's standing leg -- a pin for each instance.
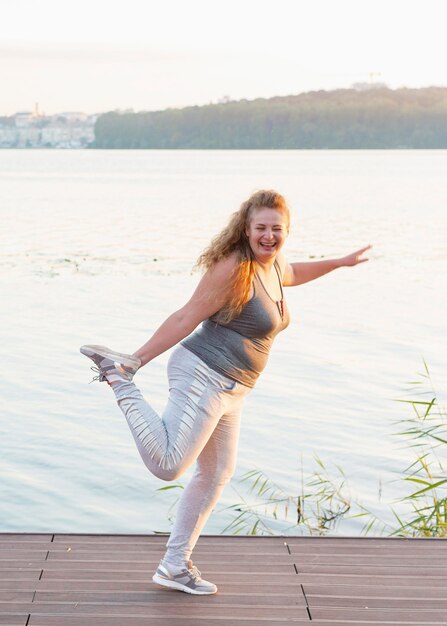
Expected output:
(215, 467)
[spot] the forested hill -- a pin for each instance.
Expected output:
(344, 118)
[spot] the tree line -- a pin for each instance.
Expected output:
(345, 118)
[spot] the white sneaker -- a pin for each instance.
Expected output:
(186, 579)
(110, 365)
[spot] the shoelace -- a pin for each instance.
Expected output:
(100, 377)
(196, 575)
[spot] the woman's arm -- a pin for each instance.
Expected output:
(300, 273)
(211, 294)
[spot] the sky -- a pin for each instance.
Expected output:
(95, 56)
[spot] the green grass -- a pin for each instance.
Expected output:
(425, 434)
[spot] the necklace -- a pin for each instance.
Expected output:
(279, 303)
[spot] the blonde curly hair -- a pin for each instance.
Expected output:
(232, 239)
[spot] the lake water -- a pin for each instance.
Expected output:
(98, 246)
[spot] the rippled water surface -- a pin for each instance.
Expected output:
(98, 246)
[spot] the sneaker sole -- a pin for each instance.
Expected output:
(91, 351)
(164, 582)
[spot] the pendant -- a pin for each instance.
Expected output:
(280, 304)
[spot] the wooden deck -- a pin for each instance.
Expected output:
(105, 580)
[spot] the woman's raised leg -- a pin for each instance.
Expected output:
(198, 397)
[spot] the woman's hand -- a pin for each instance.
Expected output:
(355, 257)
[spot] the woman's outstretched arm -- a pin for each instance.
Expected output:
(211, 294)
(299, 273)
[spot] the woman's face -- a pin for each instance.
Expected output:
(267, 232)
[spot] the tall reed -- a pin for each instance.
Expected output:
(324, 501)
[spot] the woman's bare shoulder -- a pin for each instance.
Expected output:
(224, 268)
(214, 288)
(219, 277)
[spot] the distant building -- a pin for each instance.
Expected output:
(8, 136)
(28, 129)
(74, 116)
(23, 118)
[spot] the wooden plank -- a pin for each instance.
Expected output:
(98, 620)
(11, 595)
(19, 574)
(149, 567)
(437, 547)
(250, 577)
(376, 603)
(389, 590)
(366, 549)
(390, 570)
(379, 615)
(192, 606)
(154, 545)
(96, 574)
(150, 548)
(72, 537)
(331, 621)
(132, 566)
(385, 557)
(156, 549)
(287, 587)
(368, 560)
(20, 555)
(145, 576)
(13, 619)
(43, 537)
(159, 595)
(346, 540)
(24, 545)
(372, 580)
(18, 585)
(142, 557)
(162, 539)
(23, 564)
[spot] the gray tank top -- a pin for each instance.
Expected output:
(240, 348)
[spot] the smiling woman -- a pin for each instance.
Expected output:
(254, 236)
(267, 231)
(240, 302)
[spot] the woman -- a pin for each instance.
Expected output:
(241, 304)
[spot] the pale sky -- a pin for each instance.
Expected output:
(95, 56)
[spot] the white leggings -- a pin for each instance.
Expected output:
(200, 422)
